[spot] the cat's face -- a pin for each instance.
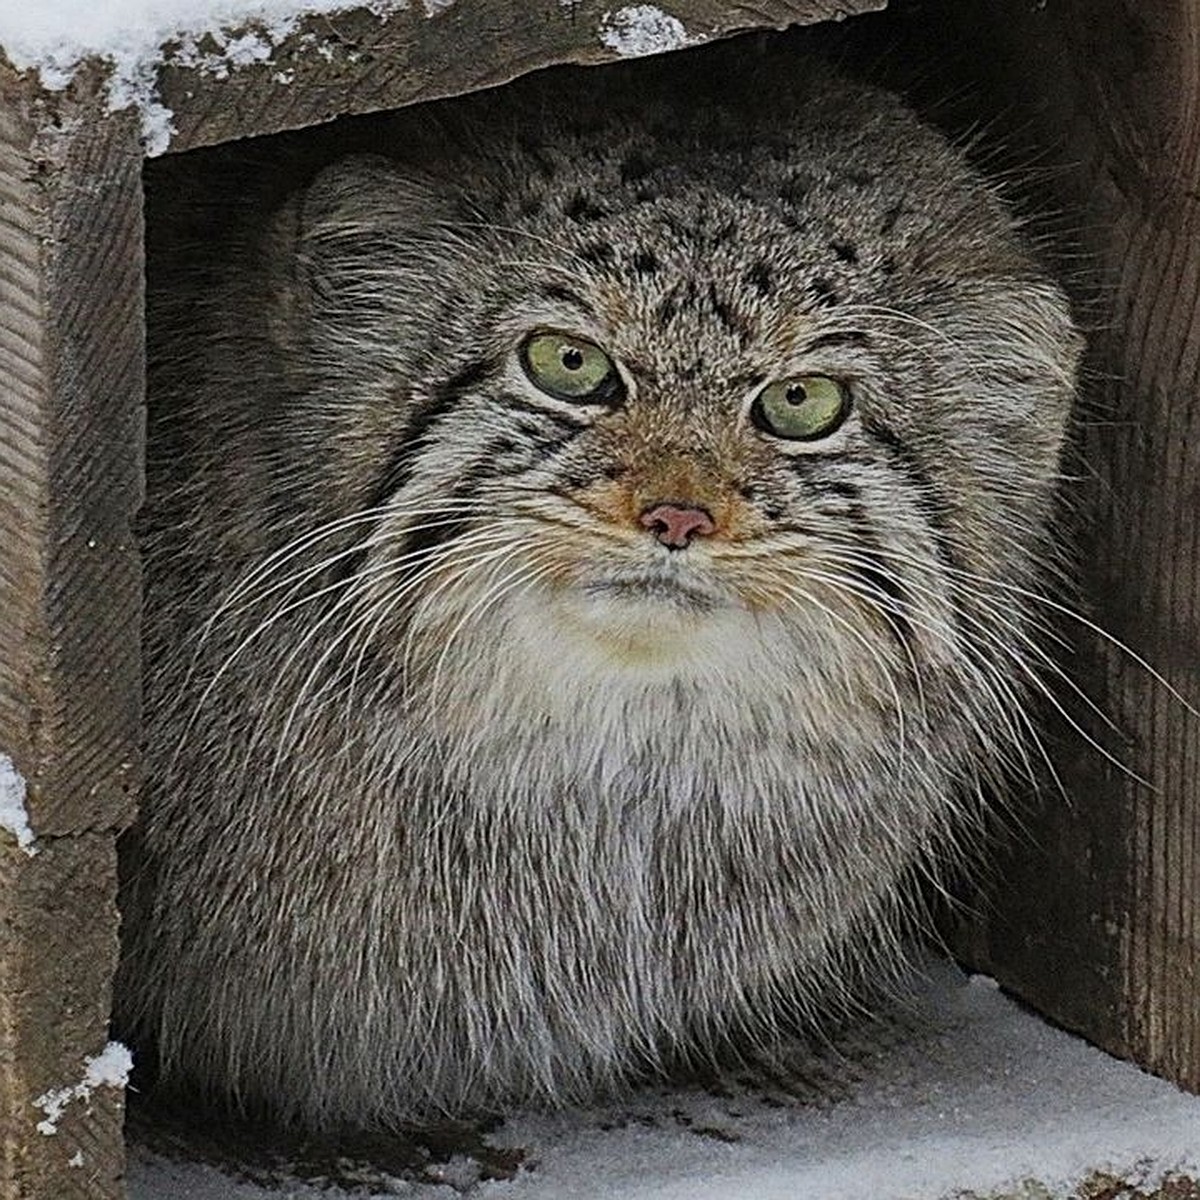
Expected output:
(671, 451)
(751, 403)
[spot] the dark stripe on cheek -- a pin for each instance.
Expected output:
(507, 457)
(482, 469)
(888, 597)
(934, 506)
(437, 532)
(554, 416)
(842, 488)
(444, 399)
(439, 529)
(808, 468)
(424, 416)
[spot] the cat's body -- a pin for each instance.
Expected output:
(609, 726)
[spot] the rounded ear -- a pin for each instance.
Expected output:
(362, 214)
(369, 192)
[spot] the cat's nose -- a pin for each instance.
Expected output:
(676, 524)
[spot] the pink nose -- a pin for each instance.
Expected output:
(676, 524)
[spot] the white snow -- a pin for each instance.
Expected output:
(642, 29)
(963, 1093)
(109, 1068)
(54, 37)
(13, 816)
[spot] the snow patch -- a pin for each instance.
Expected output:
(13, 816)
(134, 37)
(109, 1068)
(961, 1094)
(643, 29)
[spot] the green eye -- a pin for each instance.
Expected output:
(801, 409)
(570, 368)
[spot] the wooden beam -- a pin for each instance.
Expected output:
(71, 396)
(358, 62)
(1097, 917)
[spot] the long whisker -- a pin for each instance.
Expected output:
(794, 596)
(500, 537)
(1021, 631)
(993, 683)
(1074, 615)
(278, 614)
(386, 570)
(323, 565)
(1041, 687)
(939, 630)
(348, 596)
(523, 574)
(309, 538)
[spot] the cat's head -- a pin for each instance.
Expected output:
(682, 389)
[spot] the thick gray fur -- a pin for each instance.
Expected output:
(463, 790)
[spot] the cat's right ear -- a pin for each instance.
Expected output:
(361, 219)
(367, 192)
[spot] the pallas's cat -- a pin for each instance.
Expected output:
(587, 545)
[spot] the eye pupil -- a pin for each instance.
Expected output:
(796, 394)
(572, 358)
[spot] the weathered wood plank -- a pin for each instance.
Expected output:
(58, 941)
(1097, 919)
(357, 62)
(360, 61)
(71, 345)
(1147, 581)
(71, 391)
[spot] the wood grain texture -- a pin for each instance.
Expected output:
(1097, 920)
(71, 397)
(58, 925)
(356, 62)
(1147, 578)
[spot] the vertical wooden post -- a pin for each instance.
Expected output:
(1097, 921)
(71, 391)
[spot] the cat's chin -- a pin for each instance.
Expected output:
(644, 618)
(652, 592)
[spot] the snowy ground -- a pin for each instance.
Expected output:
(960, 1094)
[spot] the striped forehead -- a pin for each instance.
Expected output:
(656, 313)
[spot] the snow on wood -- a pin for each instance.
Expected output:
(133, 38)
(13, 816)
(643, 29)
(54, 37)
(109, 1068)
